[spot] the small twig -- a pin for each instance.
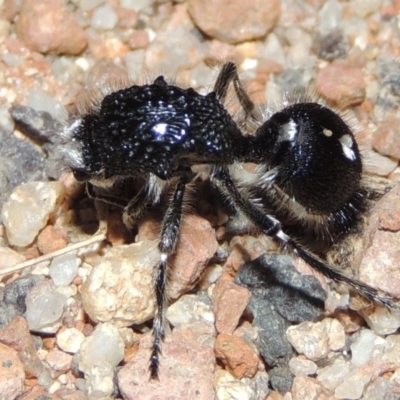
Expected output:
(46, 257)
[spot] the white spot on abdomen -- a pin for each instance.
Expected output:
(347, 143)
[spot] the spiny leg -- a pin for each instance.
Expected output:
(132, 209)
(149, 193)
(101, 202)
(272, 227)
(104, 197)
(135, 208)
(168, 241)
(227, 75)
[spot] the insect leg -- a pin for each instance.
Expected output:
(135, 208)
(101, 202)
(227, 75)
(272, 227)
(105, 198)
(168, 241)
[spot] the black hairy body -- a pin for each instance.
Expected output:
(313, 181)
(157, 129)
(308, 182)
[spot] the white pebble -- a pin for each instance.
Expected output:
(134, 61)
(392, 349)
(120, 287)
(300, 45)
(63, 379)
(383, 321)
(129, 336)
(100, 381)
(9, 258)
(336, 334)
(169, 51)
(6, 121)
(333, 375)
(104, 18)
(27, 210)
(211, 274)
(68, 292)
(41, 268)
(136, 5)
(336, 300)
(358, 29)
(104, 345)
(85, 269)
(302, 367)
(309, 339)
(44, 308)
(188, 309)
(353, 386)
(5, 28)
(86, 5)
(54, 387)
(228, 388)
(330, 16)
(363, 348)
(70, 340)
(200, 77)
(12, 60)
(64, 269)
(363, 8)
(40, 101)
(273, 49)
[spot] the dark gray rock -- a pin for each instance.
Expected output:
(280, 296)
(20, 162)
(45, 130)
(272, 342)
(7, 313)
(331, 46)
(292, 80)
(38, 125)
(387, 102)
(281, 284)
(15, 292)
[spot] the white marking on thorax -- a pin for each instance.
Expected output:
(160, 128)
(289, 131)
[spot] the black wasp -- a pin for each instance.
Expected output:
(309, 175)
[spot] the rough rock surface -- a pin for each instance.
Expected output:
(187, 367)
(256, 18)
(48, 27)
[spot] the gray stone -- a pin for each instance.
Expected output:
(302, 367)
(15, 292)
(190, 308)
(334, 374)
(19, 162)
(70, 340)
(105, 345)
(280, 283)
(28, 209)
(227, 387)
(63, 269)
(44, 308)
